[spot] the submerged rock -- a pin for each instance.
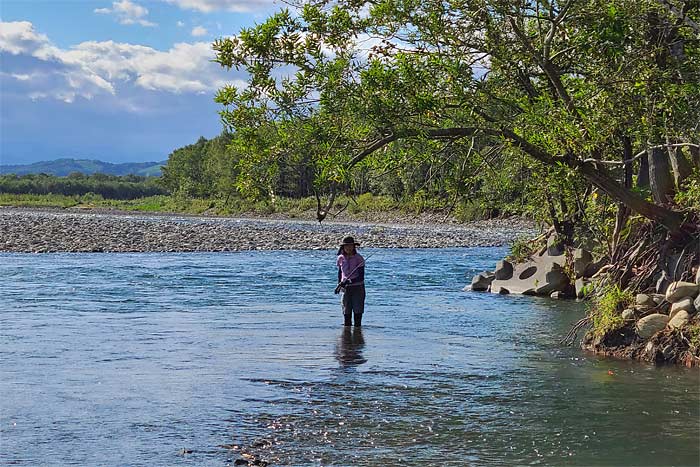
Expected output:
(482, 281)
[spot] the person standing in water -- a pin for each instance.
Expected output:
(351, 280)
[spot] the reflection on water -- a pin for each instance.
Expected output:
(348, 351)
(134, 359)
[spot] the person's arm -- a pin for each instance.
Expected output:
(340, 274)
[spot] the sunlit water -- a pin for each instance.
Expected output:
(127, 359)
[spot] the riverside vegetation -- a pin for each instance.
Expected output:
(579, 115)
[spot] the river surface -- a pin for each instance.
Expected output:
(164, 359)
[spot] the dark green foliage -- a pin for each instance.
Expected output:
(451, 97)
(107, 186)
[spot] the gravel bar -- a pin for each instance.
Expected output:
(28, 230)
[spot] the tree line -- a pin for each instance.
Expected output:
(78, 184)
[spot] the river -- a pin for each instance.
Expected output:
(163, 359)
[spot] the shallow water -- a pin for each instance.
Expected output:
(126, 359)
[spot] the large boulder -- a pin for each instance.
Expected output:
(683, 305)
(582, 259)
(697, 303)
(482, 281)
(679, 290)
(650, 325)
(679, 320)
(504, 270)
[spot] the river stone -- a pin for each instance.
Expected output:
(504, 270)
(679, 320)
(697, 303)
(650, 325)
(582, 258)
(482, 281)
(684, 305)
(644, 300)
(643, 309)
(628, 314)
(658, 298)
(679, 290)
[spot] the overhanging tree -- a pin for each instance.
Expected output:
(580, 85)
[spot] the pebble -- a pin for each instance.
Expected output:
(53, 230)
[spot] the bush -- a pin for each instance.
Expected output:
(523, 248)
(606, 311)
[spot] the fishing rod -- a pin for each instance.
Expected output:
(362, 264)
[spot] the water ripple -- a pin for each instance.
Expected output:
(132, 359)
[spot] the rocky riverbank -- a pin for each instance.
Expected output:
(56, 230)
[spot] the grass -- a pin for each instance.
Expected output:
(606, 311)
(295, 208)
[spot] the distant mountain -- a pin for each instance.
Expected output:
(63, 167)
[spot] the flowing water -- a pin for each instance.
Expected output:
(164, 359)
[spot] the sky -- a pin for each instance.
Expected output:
(117, 81)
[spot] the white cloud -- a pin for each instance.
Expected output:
(239, 6)
(180, 24)
(127, 12)
(199, 31)
(90, 69)
(19, 37)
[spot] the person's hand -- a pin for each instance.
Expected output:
(341, 285)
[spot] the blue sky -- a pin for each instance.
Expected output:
(119, 81)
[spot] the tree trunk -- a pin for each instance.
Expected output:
(680, 165)
(660, 176)
(695, 156)
(599, 177)
(623, 211)
(643, 174)
(626, 156)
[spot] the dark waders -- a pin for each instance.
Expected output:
(353, 304)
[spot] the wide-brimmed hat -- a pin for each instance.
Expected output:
(349, 241)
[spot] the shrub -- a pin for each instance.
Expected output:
(606, 311)
(523, 248)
